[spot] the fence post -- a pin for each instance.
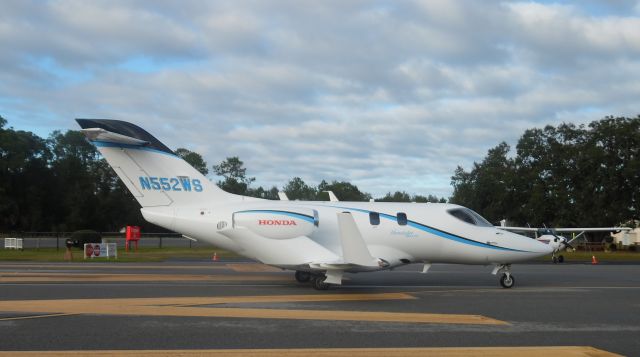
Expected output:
(57, 241)
(160, 243)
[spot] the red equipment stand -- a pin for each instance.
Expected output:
(133, 235)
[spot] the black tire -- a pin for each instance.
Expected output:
(507, 281)
(319, 284)
(561, 259)
(303, 276)
(554, 259)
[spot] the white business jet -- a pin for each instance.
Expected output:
(320, 241)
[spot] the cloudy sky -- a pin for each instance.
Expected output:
(389, 95)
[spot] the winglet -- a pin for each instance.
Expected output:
(332, 196)
(283, 196)
(354, 249)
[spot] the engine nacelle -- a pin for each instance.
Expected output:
(278, 223)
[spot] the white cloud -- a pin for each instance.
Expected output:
(387, 95)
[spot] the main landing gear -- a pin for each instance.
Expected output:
(303, 276)
(317, 280)
(506, 280)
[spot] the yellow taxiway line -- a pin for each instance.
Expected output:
(240, 267)
(108, 265)
(18, 277)
(33, 317)
(252, 268)
(560, 351)
(197, 307)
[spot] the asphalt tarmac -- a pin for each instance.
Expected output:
(211, 307)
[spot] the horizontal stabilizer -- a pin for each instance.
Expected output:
(122, 133)
(99, 134)
(354, 248)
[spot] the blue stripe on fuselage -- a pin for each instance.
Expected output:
(436, 232)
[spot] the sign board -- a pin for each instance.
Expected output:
(100, 250)
(13, 243)
(133, 233)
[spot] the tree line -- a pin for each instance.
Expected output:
(62, 184)
(565, 175)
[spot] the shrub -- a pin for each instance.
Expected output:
(82, 237)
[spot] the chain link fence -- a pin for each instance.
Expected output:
(37, 240)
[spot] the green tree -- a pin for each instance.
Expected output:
(194, 159)
(612, 155)
(344, 191)
(88, 194)
(25, 180)
(297, 189)
(260, 192)
(429, 198)
(395, 197)
(75, 167)
(561, 176)
(234, 174)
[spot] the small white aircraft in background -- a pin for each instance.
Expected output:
(320, 241)
(557, 242)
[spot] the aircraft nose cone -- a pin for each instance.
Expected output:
(531, 245)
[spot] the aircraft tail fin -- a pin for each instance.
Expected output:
(153, 173)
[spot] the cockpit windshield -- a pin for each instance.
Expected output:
(469, 216)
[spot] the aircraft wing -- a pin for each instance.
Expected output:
(518, 229)
(593, 229)
(578, 229)
(354, 248)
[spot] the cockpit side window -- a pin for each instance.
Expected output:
(480, 221)
(460, 214)
(374, 218)
(469, 216)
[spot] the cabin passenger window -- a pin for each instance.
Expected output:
(316, 218)
(374, 218)
(402, 218)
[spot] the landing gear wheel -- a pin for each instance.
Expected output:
(318, 283)
(507, 281)
(303, 276)
(561, 259)
(554, 259)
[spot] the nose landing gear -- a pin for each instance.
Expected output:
(506, 280)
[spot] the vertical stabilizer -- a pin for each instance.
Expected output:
(151, 171)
